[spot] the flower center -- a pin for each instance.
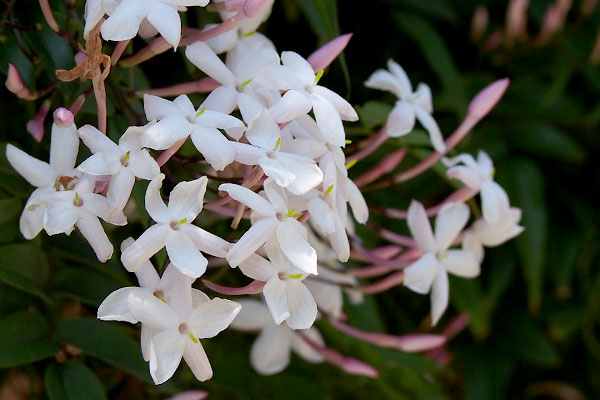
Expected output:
(176, 224)
(65, 183)
(160, 295)
(77, 202)
(125, 159)
(183, 329)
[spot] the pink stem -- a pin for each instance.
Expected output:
(383, 284)
(15, 85)
(386, 165)
(393, 237)
(118, 51)
(48, 15)
(462, 194)
(255, 287)
(77, 104)
(373, 144)
(203, 85)
(409, 343)
(348, 364)
(386, 252)
(230, 5)
(170, 152)
(370, 271)
(36, 126)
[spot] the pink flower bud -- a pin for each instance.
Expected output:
(253, 7)
(479, 24)
(15, 84)
(36, 125)
(63, 117)
(486, 99)
(356, 367)
(516, 19)
(190, 395)
(80, 57)
(321, 58)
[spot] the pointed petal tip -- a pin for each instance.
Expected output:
(487, 98)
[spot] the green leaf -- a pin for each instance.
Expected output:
(548, 141)
(25, 259)
(466, 295)
(22, 327)
(10, 209)
(138, 193)
(23, 283)
(107, 342)
(27, 353)
(524, 338)
(526, 187)
(72, 381)
(85, 285)
(374, 113)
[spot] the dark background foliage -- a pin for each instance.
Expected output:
(534, 311)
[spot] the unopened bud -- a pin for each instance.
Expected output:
(479, 24)
(80, 57)
(253, 7)
(321, 58)
(15, 84)
(486, 99)
(36, 125)
(63, 118)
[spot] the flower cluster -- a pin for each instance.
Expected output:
(275, 136)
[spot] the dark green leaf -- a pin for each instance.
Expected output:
(53, 383)
(22, 327)
(27, 353)
(86, 285)
(10, 209)
(81, 383)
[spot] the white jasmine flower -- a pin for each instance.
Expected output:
(430, 272)
(175, 230)
(274, 222)
(479, 175)
(410, 105)
(178, 119)
(123, 162)
(271, 351)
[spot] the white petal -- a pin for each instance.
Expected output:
(461, 263)
(222, 43)
(344, 109)
(263, 131)
(256, 267)
(36, 172)
(384, 80)
(166, 350)
(466, 175)
(276, 170)
(64, 147)
(472, 244)
(149, 310)
(419, 226)
(292, 105)
(177, 291)
(157, 108)
(275, 292)
(205, 241)
(400, 76)
(91, 229)
(151, 241)
(60, 217)
(207, 61)
(115, 306)
(301, 304)
(248, 154)
(254, 237)
(270, 352)
(401, 120)
(166, 21)
(321, 215)
(195, 357)
(185, 200)
(306, 351)
(119, 190)
(212, 317)
(166, 132)
(327, 296)
(31, 222)
(300, 66)
(222, 99)
(307, 175)
(215, 147)
(277, 77)
(253, 316)
(439, 296)
(419, 276)
(154, 204)
(125, 20)
(142, 165)
(450, 220)
(423, 97)
(435, 135)
(146, 334)
(276, 195)
(250, 107)
(101, 163)
(95, 140)
(494, 202)
(249, 198)
(360, 210)
(292, 239)
(184, 254)
(329, 120)
(339, 241)
(93, 14)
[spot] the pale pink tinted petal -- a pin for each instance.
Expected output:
(212, 317)
(292, 105)
(401, 120)
(95, 140)
(207, 61)
(248, 154)
(195, 357)
(36, 172)
(166, 21)
(306, 351)
(306, 175)
(258, 268)
(142, 165)
(60, 217)
(270, 352)
(423, 97)
(205, 241)
(125, 20)
(184, 254)
(100, 164)
(154, 203)
(158, 108)
(64, 147)
(344, 109)
(255, 237)
(177, 291)
(328, 120)
(276, 195)
(115, 306)
(419, 276)
(276, 297)
(151, 311)
(450, 220)
(301, 304)
(146, 334)
(292, 239)
(466, 175)
(222, 99)
(439, 296)
(360, 210)
(275, 169)
(494, 202)
(419, 227)
(328, 297)
(339, 241)
(263, 131)
(253, 316)
(91, 229)
(166, 132)
(215, 147)
(300, 66)
(435, 135)
(249, 198)
(151, 241)
(321, 215)
(166, 350)
(185, 200)
(120, 188)
(278, 77)
(461, 263)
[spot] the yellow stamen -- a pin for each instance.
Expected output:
(329, 189)
(298, 215)
(443, 256)
(245, 83)
(318, 77)
(297, 276)
(192, 337)
(351, 164)
(277, 144)
(182, 221)
(348, 141)
(289, 214)
(248, 34)
(127, 155)
(492, 173)
(199, 113)
(162, 299)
